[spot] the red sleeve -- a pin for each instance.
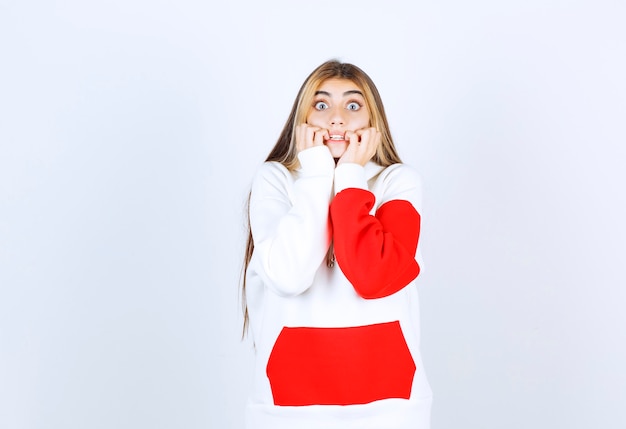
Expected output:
(376, 253)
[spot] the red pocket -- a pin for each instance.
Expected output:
(340, 366)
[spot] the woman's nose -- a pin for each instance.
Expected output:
(336, 116)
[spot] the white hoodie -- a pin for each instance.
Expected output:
(337, 344)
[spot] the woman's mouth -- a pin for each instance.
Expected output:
(336, 138)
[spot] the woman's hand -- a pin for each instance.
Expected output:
(362, 147)
(308, 136)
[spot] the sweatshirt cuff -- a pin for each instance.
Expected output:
(349, 175)
(316, 161)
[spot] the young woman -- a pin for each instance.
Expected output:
(331, 260)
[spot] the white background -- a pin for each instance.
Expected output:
(130, 130)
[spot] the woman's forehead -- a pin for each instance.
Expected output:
(338, 86)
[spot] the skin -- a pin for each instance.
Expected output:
(339, 109)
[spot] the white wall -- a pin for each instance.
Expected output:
(129, 131)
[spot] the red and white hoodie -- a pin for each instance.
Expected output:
(337, 347)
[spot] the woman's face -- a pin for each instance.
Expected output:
(338, 106)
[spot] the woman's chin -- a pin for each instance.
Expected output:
(336, 150)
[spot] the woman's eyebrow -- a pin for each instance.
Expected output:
(350, 92)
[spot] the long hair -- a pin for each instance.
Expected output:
(285, 151)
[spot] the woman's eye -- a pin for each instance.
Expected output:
(353, 106)
(320, 105)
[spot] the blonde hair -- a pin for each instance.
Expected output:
(285, 151)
